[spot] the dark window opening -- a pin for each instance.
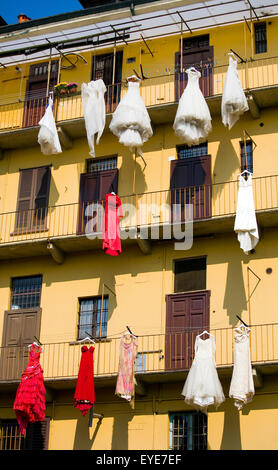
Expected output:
(26, 292)
(36, 437)
(93, 316)
(188, 431)
(197, 42)
(191, 152)
(102, 164)
(260, 38)
(190, 275)
(246, 154)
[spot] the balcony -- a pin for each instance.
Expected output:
(160, 358)
(59, 229)
(259, 78)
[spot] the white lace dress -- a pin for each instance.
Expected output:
(48, 136)
(202, 386)
(245, 222)
(234, 102)
(93, 102)
(193, 120)
(131, 122)
(242, 384)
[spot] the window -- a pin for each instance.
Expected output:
(32, 199)
(36, 435)
(191, 152)
(190, 275)
(102, 164)
(188, 431)
(26, 292)
(246, 154)
(93, 316)
(10, 436)
(260, 38)
(197, 42)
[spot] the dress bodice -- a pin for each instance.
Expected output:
(204, 348)
(193, 75)
(243, 183)
(86, 349)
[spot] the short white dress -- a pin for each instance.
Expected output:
(193, 120)
(234, 102)
(202, 386)
(130, 121)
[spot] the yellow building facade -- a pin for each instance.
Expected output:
(54, 277)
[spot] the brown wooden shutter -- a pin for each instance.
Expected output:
(108, 181)
(37, 435)
(33, 198)
(186, 316)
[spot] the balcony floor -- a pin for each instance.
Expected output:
(80, 243)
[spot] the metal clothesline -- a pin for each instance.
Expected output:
(134, 28)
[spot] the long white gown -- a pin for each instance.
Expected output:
(242, 384)
(234, 102)
(48, 136)
(131, 122)
(93, 102)
(245, 222)
(192, 122)
(202, 386)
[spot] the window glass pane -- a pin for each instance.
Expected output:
(191, 152)
(26, 292)
(93, 319)
(101, 165)
(246, 156)
(190, 275)
(188, 431)
(260, 38)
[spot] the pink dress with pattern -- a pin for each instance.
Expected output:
(125, 381)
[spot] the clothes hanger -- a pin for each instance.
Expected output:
(204, 332)
(129, 332)
(244, 172)
(36, 343)
(87, 339)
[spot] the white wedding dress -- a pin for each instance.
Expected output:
(202, 386)
(193, 120)
(48, 136)
(242, 384)
(131, 122)
(93, 102)
(234, 102)
(245, 222)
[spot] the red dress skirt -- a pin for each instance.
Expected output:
(84, 396)
(111, 241)
(29, 404)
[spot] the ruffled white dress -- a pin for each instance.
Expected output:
(131, 122)
(193, 120)
(234, 102)
(202, 386)
(242, 385)
(48, 136)
(245, 222)
(93, 102)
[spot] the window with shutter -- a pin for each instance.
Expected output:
(109, 68)
(37, 435)
(33, 195)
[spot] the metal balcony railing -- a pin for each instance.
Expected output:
(170, 352)
(151, 209)
(164, 89)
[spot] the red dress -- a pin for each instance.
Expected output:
(29, 402)
(84, 396)
(111, 242)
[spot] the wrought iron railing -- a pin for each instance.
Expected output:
(169, 352)
(157, 90)
(153, 209)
